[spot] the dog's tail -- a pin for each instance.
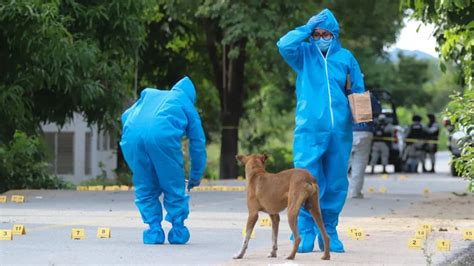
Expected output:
(313, 192)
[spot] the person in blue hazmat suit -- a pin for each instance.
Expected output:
(323, 121)
(153, 128)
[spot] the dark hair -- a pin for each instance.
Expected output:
(416, 118)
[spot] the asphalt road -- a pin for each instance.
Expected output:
(216, 222)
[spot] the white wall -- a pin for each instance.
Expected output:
(107, 157)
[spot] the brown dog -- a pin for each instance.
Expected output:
(273, 193)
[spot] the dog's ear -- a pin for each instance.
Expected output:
(240, 158)
(264, 158)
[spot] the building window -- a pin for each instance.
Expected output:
(65, 153)
(61, 147)
(50, 139)
(87, 159)
(105, 141)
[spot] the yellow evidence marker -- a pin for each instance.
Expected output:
(18, 198)
(426, 191)
(244, 234)
(77, 234)
(427, 227)
(383, 190)
(415, 243)
(468, 234)
(358, 235)
(421, 234)
(443, 245)
(6, 235)
(18, 229)
(3, 199)
(351, 230)
(266, 222)
(371, 190)
(103, 232)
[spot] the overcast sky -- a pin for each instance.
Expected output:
(422, 40)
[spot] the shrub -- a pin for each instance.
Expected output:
(23, 165)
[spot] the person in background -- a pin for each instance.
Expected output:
(361, 142)
(323, 121)
(432, 133)
(153, 128)
(413, 153)
(380, 148)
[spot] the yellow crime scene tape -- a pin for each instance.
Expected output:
(409, 140)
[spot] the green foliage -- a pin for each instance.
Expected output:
(411, 75)
(267, 127)
(61, 57)
(440, 86)
(463, 119)
(23, 165)
(455, 36)
(124, 179)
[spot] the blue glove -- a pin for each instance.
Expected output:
(193, 183)
(315, 20)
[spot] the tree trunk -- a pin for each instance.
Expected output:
(232, 98)
(229, 81)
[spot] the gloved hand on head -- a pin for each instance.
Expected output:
(315, 20)
(193, 183)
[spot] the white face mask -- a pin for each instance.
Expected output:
(323, 44)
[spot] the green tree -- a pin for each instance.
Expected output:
(454, 31)
(411, 74)
(62, 57)
(231, 45)
(227, 29)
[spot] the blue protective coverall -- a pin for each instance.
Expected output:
(153, 129)
(323, 122)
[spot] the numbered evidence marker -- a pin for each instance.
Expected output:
(426, 191)
(3, 199)
(6, 235)
(19, 229)
(421, 234)
(77, 234)
(468, 234)
(244, 234)
(443, 245)
(358, 235)
(103, 232)
(427, 227)
(266, 222)
(351, 230)
(383, 190)
(415, 243)
(371, 190)
(18, 198)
